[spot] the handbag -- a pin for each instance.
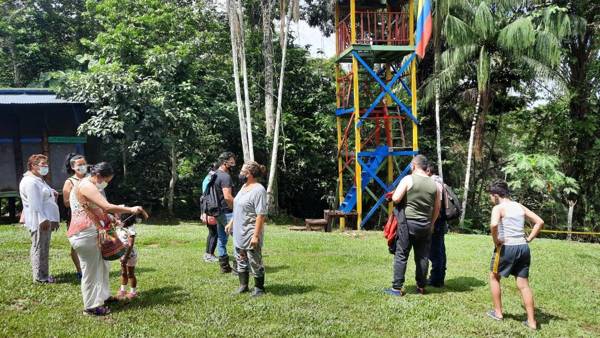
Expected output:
(110, 245)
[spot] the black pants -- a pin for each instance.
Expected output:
(437, 256)
(411, 234)
(211, 239)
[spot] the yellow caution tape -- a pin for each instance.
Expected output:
(571, 232)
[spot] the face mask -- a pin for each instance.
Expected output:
(82, 169)
(102, 185)
(243, 179)
(43, 171)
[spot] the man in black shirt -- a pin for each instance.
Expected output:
(224, 188)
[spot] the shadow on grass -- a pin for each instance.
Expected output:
(71, 277)
(153, 297)
(459, 284)
(275, 269)
(541, 317)
(288, 289)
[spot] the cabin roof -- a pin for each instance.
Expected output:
(27, 96)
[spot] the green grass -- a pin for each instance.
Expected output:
(318, 284)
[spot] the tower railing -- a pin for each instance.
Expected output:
(374, 28)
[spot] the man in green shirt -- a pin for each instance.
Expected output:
(418, 200)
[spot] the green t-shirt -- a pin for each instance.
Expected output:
(420, 198)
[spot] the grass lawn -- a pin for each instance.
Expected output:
(318, 284)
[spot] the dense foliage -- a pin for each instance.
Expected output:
(156, 77)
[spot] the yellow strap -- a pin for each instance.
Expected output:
(497, 259)
(571, 232)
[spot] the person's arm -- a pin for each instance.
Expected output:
(536, 220)
(93, 195)
(494, 222)
(260, 224)
(227, 195)
(35, 199)
(436, 208)
(67, 187)
(400, 190)
(229, 227)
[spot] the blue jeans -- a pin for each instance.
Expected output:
(437, 256)
(222, 236)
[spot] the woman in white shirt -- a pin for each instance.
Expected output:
(40, 213)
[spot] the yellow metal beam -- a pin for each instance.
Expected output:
(357, 139)
(339, 121)
(413, 78)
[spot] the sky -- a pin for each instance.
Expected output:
(306, 35)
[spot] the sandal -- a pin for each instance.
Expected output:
(526, 324)
(492, 314)
(97, 311)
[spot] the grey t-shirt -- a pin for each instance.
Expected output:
(246, 206)
(223, 180)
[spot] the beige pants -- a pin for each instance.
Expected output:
(95, 286)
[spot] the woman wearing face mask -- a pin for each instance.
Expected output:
(88, 206)
(40, 213)
(76, 167)
(247, 225)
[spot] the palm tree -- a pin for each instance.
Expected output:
(482, 35)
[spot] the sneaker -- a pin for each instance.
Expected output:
(122, 294)
(394, 292)
(132, 295)
(208, 258)
(79, 276)
(421, 291)
(492, 314)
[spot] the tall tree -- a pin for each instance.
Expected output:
(483, 35)
(267, 50)
(274, 152)
(234, 29)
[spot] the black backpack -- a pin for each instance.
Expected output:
(452, 204)
(209, 201)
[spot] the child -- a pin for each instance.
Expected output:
(511, 253)
(128, 261)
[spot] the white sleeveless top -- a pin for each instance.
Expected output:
(511, 228)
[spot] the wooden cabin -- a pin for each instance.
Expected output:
(34, 121)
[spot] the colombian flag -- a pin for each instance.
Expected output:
(423, 32)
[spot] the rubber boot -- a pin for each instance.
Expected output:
(234, 269)
(259, 286)
(224, 263)
(244, 278)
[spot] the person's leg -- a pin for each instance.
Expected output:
(401, 257)
(527, 295)
(435, 258)
(222, 236)
(34, 255)
(124, 279)
(496, 294)
(241, 257)
(442, 273)
(258, 270)
(211, 239)
(75, 260)
(422, 246)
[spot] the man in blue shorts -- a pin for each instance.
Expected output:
(511, 253)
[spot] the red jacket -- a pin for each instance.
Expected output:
(389, 231)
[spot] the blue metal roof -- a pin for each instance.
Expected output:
(29, 96)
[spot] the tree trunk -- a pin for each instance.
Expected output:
(242, 50)
(124, 160)
(570, 218)
(437, 45)
(236, 77)
(469, 160)
(173, 179)
(273, 164)
(267, 10)
(15, 63)
(438, 129)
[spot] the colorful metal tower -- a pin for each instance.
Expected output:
(376, 97)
